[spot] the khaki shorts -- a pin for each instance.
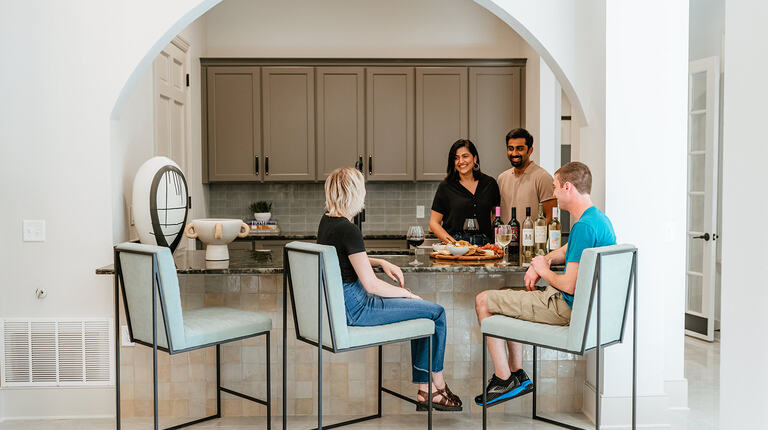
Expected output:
(539, 306)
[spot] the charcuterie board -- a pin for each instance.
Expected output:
(437, 256)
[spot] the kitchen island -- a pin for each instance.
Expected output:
(252, 280)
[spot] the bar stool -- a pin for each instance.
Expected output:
(147, 277)
(607, 275)
(312, 275)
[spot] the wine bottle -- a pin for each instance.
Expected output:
(554, 230)
(514, 244)
(497, 222)
(526, 255)
(540, 233)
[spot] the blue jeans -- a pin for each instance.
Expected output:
(366, 309)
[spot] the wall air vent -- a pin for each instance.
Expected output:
(62, 352)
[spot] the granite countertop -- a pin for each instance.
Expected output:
(246, 262)
(311, 235)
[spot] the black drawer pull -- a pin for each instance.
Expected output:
(257, 164)
(266, 165)
(370, 165)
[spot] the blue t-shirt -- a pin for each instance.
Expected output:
(592, 230)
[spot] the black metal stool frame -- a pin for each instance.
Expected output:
(323, 293)
(598, 347)
(156, 288)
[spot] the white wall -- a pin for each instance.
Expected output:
(743, 350)
(133, 138)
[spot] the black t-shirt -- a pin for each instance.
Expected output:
(456, 204)
(346, 238)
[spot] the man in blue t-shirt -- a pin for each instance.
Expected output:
(573, 184)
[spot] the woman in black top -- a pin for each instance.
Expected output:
(370, 301)
(465, 192)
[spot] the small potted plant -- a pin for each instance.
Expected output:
(261, 210)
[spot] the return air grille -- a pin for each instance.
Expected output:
(63, 352)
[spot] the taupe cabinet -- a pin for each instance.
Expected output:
(340, 118)
(297, 120)
(234, 124)
(288, 105)
(495, 107)
(389, 123)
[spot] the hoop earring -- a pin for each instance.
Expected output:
(476, 167)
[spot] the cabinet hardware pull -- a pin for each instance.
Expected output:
(257, 164)
(704, 236)
(359, 164)
(266, 165)
(370, 165)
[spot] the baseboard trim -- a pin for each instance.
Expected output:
(617, 410)
(60, 417)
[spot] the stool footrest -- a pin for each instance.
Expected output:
(244, 396)
(193, 422)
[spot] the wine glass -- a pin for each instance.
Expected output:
(503, 237)
(415, 237)
(471, 227)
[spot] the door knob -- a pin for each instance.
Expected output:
(704, 236)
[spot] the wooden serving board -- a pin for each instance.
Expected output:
(464, 257)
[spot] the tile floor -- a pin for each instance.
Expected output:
(702, 368)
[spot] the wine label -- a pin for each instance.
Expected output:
(540, 235)
(554, 239)
(527, 237)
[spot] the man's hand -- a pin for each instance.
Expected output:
(530, 278)
(393, 272)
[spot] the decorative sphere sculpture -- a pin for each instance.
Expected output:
(160, 202)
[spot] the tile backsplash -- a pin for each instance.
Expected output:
(297, 207)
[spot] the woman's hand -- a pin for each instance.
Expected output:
(393, 272)
(410, 295)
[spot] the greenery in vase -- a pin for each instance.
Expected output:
(260, 207)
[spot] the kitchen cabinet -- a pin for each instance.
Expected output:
(390, 123)
(233, 126)
(441, 117)
(495, 108)
(340, 110)
(297, 120)
(288, 117)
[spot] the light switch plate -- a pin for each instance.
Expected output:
(33, 230)
(420, 211)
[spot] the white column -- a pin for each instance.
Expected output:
(744, 351)
(644, 195)
(548, 140)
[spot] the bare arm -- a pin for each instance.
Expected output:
(435, 220)
(565, 282)
(554, 257)
(362, 265)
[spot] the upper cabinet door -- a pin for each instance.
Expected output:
(233, 128)
(289, 123)
(441, 117)
(390, 123)
(494, 109)
(340, 118)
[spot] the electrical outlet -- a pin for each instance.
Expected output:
(33, 230)
(125, 336)
(420, 211)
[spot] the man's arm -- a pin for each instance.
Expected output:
(565, 282)
(554, 257)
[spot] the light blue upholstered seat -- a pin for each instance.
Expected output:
(188, 329)
(303, 267)
(615, 277)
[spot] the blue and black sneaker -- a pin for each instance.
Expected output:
(499, 389)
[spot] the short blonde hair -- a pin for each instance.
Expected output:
(345, 192)
(578, 174)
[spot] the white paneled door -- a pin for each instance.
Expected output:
(171, 84)
(703, 116)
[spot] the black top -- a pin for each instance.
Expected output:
(346, 238)
(456, 204)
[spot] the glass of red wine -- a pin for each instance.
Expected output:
(415, 237)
